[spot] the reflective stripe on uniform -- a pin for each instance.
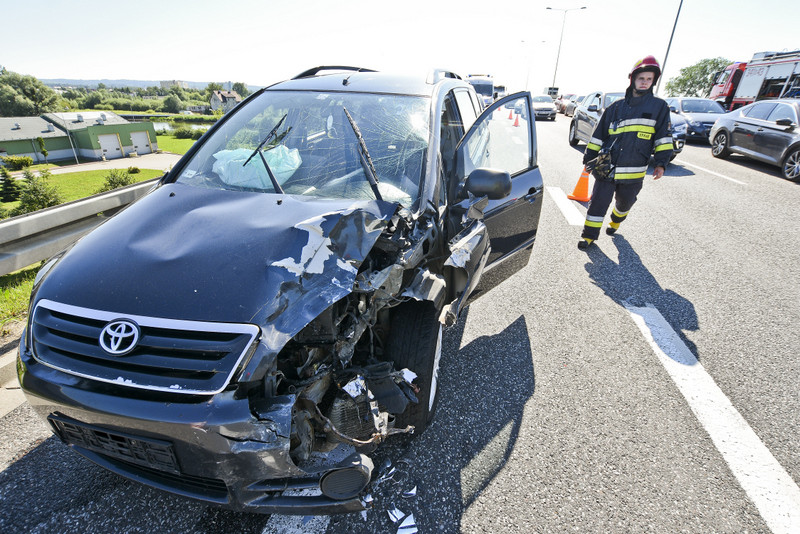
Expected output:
(664, 141)
(641, 122)
(632, 128)
(618, 214)
(629, 176)
(592, 146)
(596, 141)
(631, 170)
(594, 221)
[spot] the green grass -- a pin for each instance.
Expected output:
(15, 291)
(77, 185)
(169, 143)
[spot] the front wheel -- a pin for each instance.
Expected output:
(415, 342)
(791, 165)
(573, 134)
(720, 145)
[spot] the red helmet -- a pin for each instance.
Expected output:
(647, 64)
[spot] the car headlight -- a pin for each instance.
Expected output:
(681, 128)
(696, 124)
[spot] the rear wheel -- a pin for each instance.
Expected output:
(791, 165)
(720, 145)
(573, 134)
(415, 342)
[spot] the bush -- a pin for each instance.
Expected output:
(9, 188)
(17, 163)
(198, 133)
(184, 132)
(37, 194)
(133, 170)
(115, 179)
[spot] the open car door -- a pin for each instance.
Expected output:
(504, 138)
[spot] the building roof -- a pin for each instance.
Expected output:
(22, 128)
(83, 119)
(228, 95)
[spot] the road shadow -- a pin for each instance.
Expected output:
(484, 388)
(630, 282)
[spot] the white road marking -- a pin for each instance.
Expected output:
(568, 209)
(765, 481)
(681, 162)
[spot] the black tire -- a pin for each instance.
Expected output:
(720, 146)
(790, 168)
(573, 137)
(415, 342)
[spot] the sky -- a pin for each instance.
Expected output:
(266, 41)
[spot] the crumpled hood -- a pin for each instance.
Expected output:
(191, 253)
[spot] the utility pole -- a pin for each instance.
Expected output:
(664, 65)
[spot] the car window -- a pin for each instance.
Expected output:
(314, 149)
(593, 100)
(759, 111)
(782, 111)
(701, 106)
(500, 143)
(465, 108)
(543, 98)
(450, 134)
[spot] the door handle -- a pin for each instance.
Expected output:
(760, 130)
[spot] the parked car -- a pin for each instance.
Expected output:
(591, 108)
(572, 103)
(700, 114)
(544, 108)
(765, 131)
(588, 114)
(276, 302)
(561, 102)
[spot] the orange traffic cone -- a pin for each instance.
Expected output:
(581, 192)
(510, 115)
(516, 121)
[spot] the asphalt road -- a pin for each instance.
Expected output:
(647, 385)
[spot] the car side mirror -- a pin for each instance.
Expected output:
(784, 122)
(491, 183)
(593, 107)
(673, 109)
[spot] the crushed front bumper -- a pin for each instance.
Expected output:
(214, 449)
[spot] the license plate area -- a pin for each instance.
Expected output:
(147, 452)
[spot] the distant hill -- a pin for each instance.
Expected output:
(127, 83)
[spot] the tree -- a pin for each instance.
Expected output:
(37, 193)
(24, 96)
(9, 188)
(211, 87)
(241, 89)
(42, 149)
(173, 104)
(696, 80)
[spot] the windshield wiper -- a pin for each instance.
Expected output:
(269, 136)
(366, 161)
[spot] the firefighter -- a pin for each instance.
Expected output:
(618, 154)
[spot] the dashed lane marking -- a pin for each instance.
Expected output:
(681, 162)
(765, 481)
(568, 209)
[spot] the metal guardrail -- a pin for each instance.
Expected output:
(34, 237)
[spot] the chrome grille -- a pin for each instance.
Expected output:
(188, 357)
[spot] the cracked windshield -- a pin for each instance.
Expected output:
(304, 143)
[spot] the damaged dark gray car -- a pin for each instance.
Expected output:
(273, 309)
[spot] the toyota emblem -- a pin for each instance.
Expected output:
(119, 337)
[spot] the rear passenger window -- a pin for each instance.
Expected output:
(760, 111)
(782, 111)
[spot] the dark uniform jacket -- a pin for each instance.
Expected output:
(634, 128)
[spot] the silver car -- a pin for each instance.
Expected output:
(765, 131)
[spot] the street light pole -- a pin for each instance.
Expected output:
(664, 65)
(563, 23)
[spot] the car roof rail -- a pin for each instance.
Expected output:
(437, 75)
(316, 70)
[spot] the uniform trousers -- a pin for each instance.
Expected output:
(623, 191)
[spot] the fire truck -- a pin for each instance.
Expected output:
(767, 75)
